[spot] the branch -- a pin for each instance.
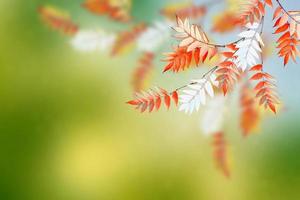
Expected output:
(286, 12)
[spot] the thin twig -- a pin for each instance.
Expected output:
(286, 12)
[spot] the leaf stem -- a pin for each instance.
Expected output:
(286, 12)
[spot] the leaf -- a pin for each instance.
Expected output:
(92, 40)
(192, 36)
(233, 21)
(150, 99)
(249, 52)
(221, 154)
(126, 38)
(277, 12)
(257, 76)
(227, 72)
(247, 34)
(213, 115)
(265, 89)
(142, 72)
(209, 89)
(58, 20)
(250, 118)
(269, 2)
(181, 58)
(252, 12)
(175, 97)
(192, 98)
(116, 10)
(257, 68)
(184, 10)
(287, 43)
(154, 36)
(282, 28)
(187, 42)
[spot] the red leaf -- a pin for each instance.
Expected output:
(197, 56)
(225, 89)
(257, 76)
(175, 97)
(269, 2)
(232, 47)
(256, 68)
(181, 59)
(286, 59)
(226, 64)
(158, 103)
(133, 102)
(228, 54)
(272, 107)
(167, 100)
(168, 67)
(282, 28)
(261, 7)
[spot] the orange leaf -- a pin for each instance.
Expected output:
(188, 10)
(58, 20)
(126, 38)
(167, 100)
(152, 99)
(175, 97)
(221, 154)
(257, 76)
(256, 68)
(141, 73)
(272, 107)
(105, 7)
(250, 116)
(226, 64)
(269, 2)
(282, 28)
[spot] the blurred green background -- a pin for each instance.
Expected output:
(66, 133)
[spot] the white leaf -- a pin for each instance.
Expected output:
(193, 34)
(248, 53)
(198, 35)
(178, 29)
(247, 34)
(255, 25)
(180, 22)
(154, 37)
(92, 40)
(202, 96)
(190, 92)
(186, 42)
(213, 116)
(259, 39)
(256, 45)
(253, 52)
(193, 46)
(293, 27)
(187, 25)
(195, 96)
(209, 89)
